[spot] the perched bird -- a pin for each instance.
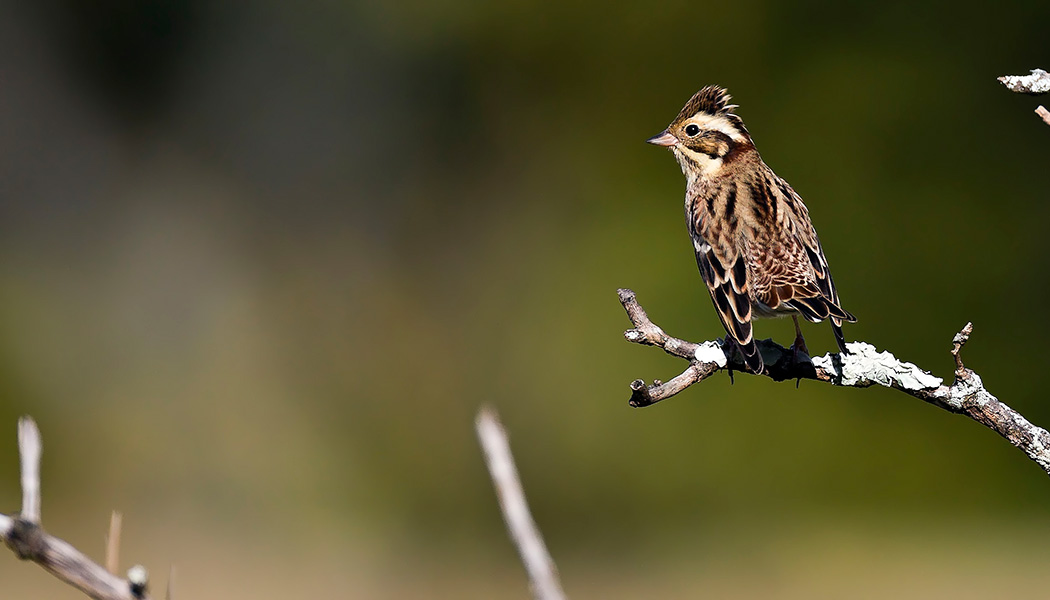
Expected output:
(756, 247)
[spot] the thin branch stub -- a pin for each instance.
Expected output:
(958, 342)
(113, 542)
(30, 449)
(1043, 114)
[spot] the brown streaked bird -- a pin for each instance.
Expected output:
(755, 245)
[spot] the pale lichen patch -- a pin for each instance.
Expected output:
(1039, 451)
(969, 389)
(1036, 83)
(710, 352)
(865, 364)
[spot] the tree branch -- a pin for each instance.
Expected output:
(543, 575)
(1035, 84)
(863, 367)
(25, 537)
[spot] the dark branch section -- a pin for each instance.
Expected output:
(863, 367)
(26, 540)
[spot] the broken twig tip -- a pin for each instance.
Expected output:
(640, 396)
(964, 334)
(958, 342)
(113, 542)
(1043, 113)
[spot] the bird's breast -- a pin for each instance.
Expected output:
(712, 212)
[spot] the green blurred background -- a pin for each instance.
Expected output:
(261, 262)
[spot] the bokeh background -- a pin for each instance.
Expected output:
(261, 262)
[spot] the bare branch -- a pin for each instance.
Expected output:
(863, 367)
(25, 537)
(1035, 84)
(543, 575)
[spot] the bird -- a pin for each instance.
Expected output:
(755, 245)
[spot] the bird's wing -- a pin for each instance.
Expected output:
(726, 277)
(791, 267)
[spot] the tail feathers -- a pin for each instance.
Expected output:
(818, 308)
(836, 326)
(752, 357)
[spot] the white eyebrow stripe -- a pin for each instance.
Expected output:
(717, 123)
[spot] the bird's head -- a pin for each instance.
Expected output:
(704, 133)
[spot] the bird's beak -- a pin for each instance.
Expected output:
(664, 138)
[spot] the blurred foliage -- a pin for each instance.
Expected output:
(261, 262)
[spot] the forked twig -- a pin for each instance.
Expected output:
(25, 537)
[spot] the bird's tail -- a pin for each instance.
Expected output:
(752, 357)
(836, 326)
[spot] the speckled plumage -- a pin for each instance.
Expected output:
(755, 245)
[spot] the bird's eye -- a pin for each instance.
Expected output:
(692, 129)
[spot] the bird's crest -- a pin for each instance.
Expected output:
(712, 100)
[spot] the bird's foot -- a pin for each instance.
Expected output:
(731, 348)
(799, 352)
(800, 358)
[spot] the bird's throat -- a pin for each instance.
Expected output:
(697, 165)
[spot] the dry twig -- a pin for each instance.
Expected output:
(543, 575)
(25, 537)
(863, 367)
